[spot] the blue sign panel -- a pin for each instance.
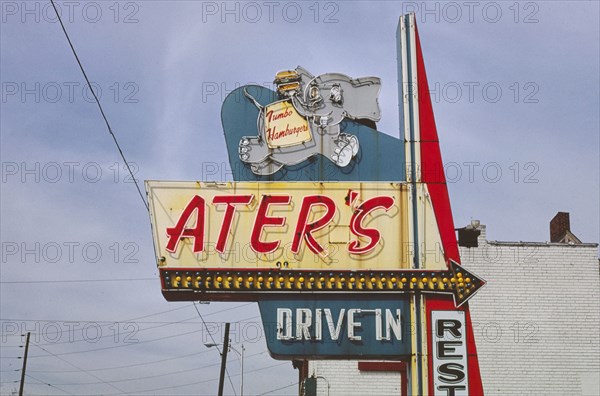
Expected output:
(379, 158)
(372, 327)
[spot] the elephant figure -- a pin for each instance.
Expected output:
(305, 121)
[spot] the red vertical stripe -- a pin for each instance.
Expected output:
(432, 174)
(432, 167)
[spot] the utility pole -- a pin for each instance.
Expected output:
(224, 359)
(24, 365)
(242, 384)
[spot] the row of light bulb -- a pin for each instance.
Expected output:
(305, 280)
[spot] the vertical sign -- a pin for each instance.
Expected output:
(449, 349)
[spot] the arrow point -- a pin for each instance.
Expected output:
(467, 283)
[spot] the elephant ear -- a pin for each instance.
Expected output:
(364, 102)
(239, 118)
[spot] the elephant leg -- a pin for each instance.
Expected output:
(265, 168)
(345, 147)
(253, 150)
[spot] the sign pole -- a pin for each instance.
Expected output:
(379, 253)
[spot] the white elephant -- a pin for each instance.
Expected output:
(306, 120)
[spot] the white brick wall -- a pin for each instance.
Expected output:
(536, 323)
(345, 379)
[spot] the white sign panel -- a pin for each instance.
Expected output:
(449, 349)
(300, 225)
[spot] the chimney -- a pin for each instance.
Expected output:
(559, 226)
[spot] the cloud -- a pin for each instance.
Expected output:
(163, 79)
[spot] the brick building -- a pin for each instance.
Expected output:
(536, 323)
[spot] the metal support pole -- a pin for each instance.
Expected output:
(224, 359)
(24, 365)
(242, 385)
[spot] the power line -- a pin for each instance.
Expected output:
(182, 385)
(119, 346)
(121, 367)
(118, 367)
(116, 335)
(205, 381)
(128, 344)
(109, 322)
(275, 390)
(160, 324)
(50, 385)
(136, 331)
(99, 106)
(80, 369)
(157, 375)
(103, 322)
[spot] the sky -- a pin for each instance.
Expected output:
(515, 91)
